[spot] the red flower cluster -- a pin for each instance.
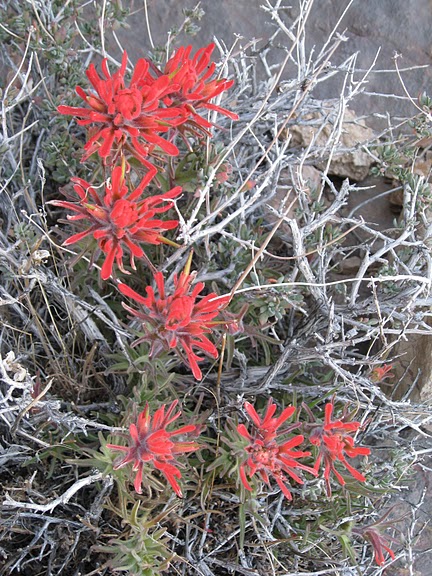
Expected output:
(150, 441)
(194, 88)
(124, 114)
(178, 322)
(335, 443)
(134, 116)
(265, 454)
(120, 219)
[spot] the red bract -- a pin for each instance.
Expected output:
(379, 373)
(126, 114)
(119, 219)
(373, 534)
(195, 86)
(335, 443)
(178, 321)
(266, 454)
(379, 544)
(150, 441)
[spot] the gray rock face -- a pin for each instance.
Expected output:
(223, 19)
(387, 26)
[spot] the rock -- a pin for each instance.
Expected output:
(423, 165)
(354, 164)
(404, 29)
(370, 202)
(414, 360)
(417, 351)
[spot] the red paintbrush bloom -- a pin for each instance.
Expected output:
(380, 373)
(150, 441)
(265, 454)
(126, 114)
(379, 544)
(178, 321)
(120, 219)
(195, 86)
(335, 443)
(373, 534)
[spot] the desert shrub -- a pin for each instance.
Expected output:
(195, 367)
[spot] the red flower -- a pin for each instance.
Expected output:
(123, 113)
(379, 373)
(265, 455)
(379, 544)
(194, 86)
(151, 442)
(373, 534)
(178, 321)
(119, 219)
(335, 443)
